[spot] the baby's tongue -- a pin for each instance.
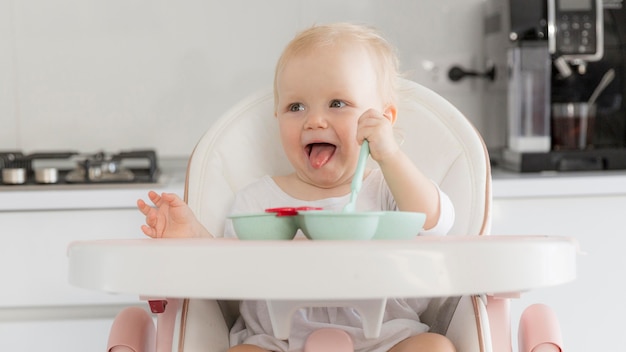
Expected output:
(320, 154)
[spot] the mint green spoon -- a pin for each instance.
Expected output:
(357, 179)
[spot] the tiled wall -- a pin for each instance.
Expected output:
(90, 75)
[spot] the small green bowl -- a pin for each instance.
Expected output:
(264, 226)
(399, 225)
(329, 225)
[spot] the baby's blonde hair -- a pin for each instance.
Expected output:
(340, 34)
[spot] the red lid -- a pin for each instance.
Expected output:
(289, 211)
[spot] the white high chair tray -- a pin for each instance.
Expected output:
(322, 270)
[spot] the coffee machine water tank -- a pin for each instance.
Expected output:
(529, 98)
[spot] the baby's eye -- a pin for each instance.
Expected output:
(337, 104)
(296, 107)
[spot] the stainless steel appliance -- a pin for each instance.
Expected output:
(549, 56)
(73, 168)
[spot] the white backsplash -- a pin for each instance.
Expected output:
(90, 75)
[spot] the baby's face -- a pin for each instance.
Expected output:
(321, 95)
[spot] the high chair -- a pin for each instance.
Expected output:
(244, 145)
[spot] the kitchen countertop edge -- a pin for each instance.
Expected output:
(100, 196)
(505, 185)
(508, 184)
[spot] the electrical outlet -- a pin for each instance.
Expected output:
(432, 72)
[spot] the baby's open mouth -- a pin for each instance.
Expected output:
(320, 153)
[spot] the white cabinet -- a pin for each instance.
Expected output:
(592, 308)
(39, 309)
(33, 254)
(54, 335)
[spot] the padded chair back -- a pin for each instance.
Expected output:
(244, 145)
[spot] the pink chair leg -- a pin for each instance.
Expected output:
(498, 310)
(132, 330)
(165, 325)
(539, 330)
(329, 340)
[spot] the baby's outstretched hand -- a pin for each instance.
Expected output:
(170, 216)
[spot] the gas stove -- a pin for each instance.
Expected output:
(74, 168)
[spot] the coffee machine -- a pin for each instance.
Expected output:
(560, 83)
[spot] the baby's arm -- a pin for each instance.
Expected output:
(170, 217)
(411, 189)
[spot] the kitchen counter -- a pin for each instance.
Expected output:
(93, 196)
(506, 184)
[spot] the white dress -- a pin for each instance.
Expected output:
(401, 319)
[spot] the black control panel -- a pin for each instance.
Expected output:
(577, 29)
(576, 33)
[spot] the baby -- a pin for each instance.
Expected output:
(334, 87)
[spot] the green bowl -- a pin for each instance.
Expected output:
(264, 226)
(399, 225)
(328, 225)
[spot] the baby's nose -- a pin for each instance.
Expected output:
(315, 120)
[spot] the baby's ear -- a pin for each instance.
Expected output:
(391, 113)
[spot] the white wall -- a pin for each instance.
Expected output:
(90, 75)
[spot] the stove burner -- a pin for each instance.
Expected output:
(136, 166)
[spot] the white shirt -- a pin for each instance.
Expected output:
(401, 319)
